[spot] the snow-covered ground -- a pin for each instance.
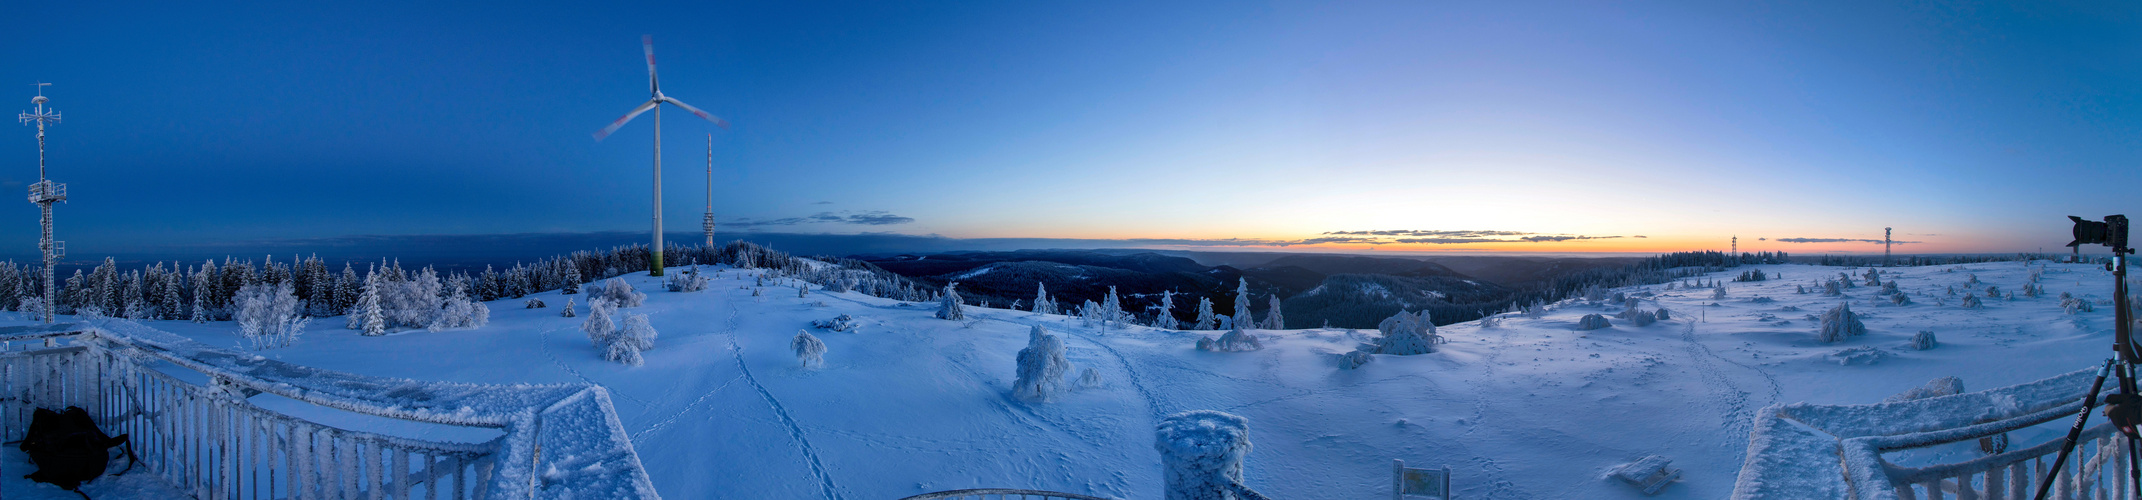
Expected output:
(909, 403)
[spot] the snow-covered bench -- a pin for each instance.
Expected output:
(558, 441)
(1836, 451)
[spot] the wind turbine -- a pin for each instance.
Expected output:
(654, 86)
(708, 223)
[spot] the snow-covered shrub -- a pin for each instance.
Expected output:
(268, 315)
(1923, 340)
(1944, 386)
(1207, 344)
(568, 312)
(33, 309)
(636, 332)
(1089, 378)
(1406, 334)
(1718, 293)
(1201, 454)
(1864, 355)
(1845, 279)
(2073, 305)
(809, 350)
(1592, 322)
(1619, 298)
(1751, 275)
(1874, 277)
(948, 305)
(1830, 288)
(1237, 340)
(1644, 318)
(534, 303)
(1663, 315)
(1840, 323)
(460, 312)
(1042, 366)
(1888, 288)
(1799, 289)
(620, 294)
(1900, 299)
(1042, 304)
(1993, 292)
(1594, 293)
(1972, 282)
(622, 352)
(1355, 359)
(599, 326)
(839, 323)
(1952, 290)
(1491, 321)
(688, 280)
(1972, 302)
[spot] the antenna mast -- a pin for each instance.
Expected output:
(44, 193)
(1885, 246)
(708, 223)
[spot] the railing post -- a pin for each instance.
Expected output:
(1201, 453)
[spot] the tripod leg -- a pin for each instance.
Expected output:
(2074, 433)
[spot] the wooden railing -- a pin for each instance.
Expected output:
(212, 441)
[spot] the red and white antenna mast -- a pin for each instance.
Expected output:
(44, 193)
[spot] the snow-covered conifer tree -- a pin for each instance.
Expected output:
(948, 307)
(572, 279)
(1407, 333)
(1840, 323)
(1166, 319)
(1273, 320)
(809, 350)
(1041, 367)
(1237, 340)
(460, 312)
(1972, 302)
(1042, 304)
(637, 332)
(620, 294)
(1205, 318)
(1242, 317)
(369, 316)
(568, 312)
(1112, 308)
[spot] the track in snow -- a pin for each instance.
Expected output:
(810, 455)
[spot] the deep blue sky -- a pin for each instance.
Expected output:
(1971, 127)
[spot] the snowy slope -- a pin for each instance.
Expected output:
(1531, 409)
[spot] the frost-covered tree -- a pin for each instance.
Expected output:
(1165, 319)
(620, 294)
(1089, 378)
(1242, 317)
(689, 280)
(1592, 322)
(1923, 340)
(460, 312)
(1205, 318)
(1718, 293)
(622, 353)
(568, 312)
(369, 315)
(1112, 308)
(948, 306)
(1993, 292)
(33, 308)
(1041, 367)
(534, 303)
(1042, 304)
(1839, 324)
(809, 350)
(1663, 315)
(1355, 359)
(1972, 302)
(572, 278)
(1831, 288)
(1201, 453)
(1644, 318)
(1236, 340)
(637, 332)
(268, 315)
(1273, 320)
(1406, 334)
(599, 326)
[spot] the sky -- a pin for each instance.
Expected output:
(1805, 127)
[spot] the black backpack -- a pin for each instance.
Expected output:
(69, 450)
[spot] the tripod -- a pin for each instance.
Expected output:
(2113, 233)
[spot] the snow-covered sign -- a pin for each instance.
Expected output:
(1419, 483)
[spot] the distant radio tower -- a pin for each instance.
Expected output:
(44, 193)
(709, 222)
(1736, 248)
(1885, 247)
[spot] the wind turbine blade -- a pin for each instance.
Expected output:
(702, 114)
(653, 85)
(605, 132)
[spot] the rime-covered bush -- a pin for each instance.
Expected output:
(1644, 318)
(1237, 340)
(1751, 275)
(1944, 386)
(839, 323)
(1888, 288)
(1406, 334)
(1874, 277)
(1830, 288)
(1972, 282)
(948, 305)
(568, 312)
(1845, 280)
(599, 326)
(1663, 315)
(2073, 305)
(620, 294)
(33, 309)
(1900, 299)
(1619, 298)
(1355, 359)
(688, 280)
(622, 352)
(1923, 340)
(1201, 453)
(1972, 302)
(809, 350)
(460, 312)
(1594, 293)
(1799, 289)
(1089, 378)
(1839, 324)
(637, 332)
(1042, 304)
(1491, 321)
(268, 315)
(1592, 322)
(534, 303)
(1207, 344)
(1042, 366)
(1718, 293)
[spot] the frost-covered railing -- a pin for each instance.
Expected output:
(1836, 451)
(559, 441)
(1001, 494)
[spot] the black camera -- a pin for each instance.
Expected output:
(2112, 232)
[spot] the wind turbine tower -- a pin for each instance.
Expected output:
(654, 86)
(44, 193)
(708, 223)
